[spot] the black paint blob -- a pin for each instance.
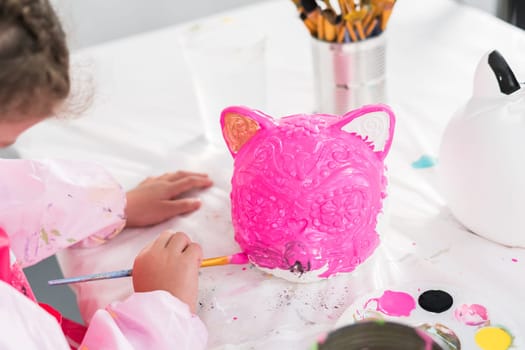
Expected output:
(436, 301)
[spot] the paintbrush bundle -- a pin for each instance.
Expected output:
(354, 20)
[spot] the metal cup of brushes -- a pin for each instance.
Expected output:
(349, 52)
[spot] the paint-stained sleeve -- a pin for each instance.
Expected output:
(48, 205)
(153, 320)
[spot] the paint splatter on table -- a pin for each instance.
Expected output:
(425, 161)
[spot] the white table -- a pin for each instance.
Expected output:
(145, 121)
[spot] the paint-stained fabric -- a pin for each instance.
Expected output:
(49, 205)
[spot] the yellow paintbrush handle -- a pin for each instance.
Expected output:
(222, 260)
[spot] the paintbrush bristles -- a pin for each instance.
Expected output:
(361, 19)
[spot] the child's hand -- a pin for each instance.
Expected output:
(169, 263)
(154, 199)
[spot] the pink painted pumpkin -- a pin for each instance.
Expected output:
(307, 189)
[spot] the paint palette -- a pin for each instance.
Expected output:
(455, 317)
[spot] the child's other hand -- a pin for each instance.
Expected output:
(154, 200)
(169, 263)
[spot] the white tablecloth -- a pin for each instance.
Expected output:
(145, 121)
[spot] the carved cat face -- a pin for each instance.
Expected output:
(307, 189)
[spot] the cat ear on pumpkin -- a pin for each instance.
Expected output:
(240, 124)
(374, 124)
(494, 77)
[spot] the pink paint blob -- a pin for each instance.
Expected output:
(514, 260)
(471, 315)
(305, 192)
(394, 303)
(239, 259)
(235, 318)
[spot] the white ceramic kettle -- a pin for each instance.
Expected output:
(482, 156)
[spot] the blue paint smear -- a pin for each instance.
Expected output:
(424, 162)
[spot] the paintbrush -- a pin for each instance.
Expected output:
(235, 259)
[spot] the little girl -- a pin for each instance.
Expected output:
(50, 205)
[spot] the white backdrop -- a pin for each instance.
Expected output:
(90, 22)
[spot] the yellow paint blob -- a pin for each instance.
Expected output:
(493, 338)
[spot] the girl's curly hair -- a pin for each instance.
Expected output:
(34, 59)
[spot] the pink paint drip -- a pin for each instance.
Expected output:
(305, 193)
(394, 303)
(472, 315)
